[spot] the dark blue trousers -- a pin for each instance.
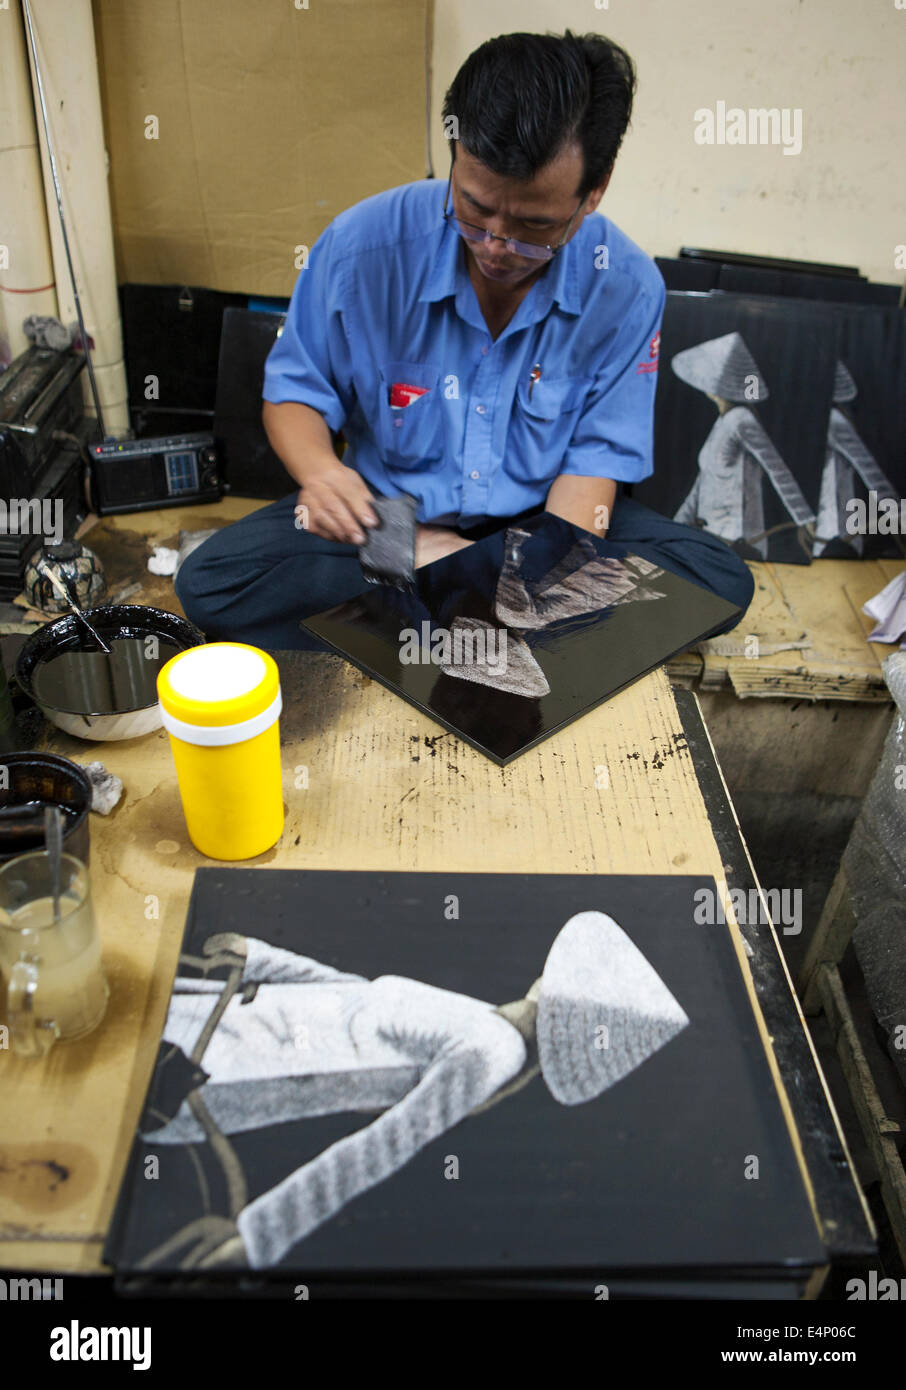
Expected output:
(257, 578)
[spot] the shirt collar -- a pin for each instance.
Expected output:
(559, 284)
(443, 277)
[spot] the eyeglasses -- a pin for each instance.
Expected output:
(531, 250)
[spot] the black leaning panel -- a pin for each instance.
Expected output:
(251, 467)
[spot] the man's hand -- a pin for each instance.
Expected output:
(334, 502)
(434, 542)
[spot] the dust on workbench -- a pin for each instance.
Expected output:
(124, 554)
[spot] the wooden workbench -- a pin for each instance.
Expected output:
(369, 783)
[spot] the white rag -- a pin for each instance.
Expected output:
(163, 561)
(888, 608)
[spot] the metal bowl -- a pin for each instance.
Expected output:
(46, 777)
(68, 634)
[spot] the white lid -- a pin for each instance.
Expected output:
(216, 672)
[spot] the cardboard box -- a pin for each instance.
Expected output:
(270, 120)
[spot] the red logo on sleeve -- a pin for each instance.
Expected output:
(654, 348)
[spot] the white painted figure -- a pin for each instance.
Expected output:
(845, 457)
(303, 1039)
(727, 496)
(581, 582)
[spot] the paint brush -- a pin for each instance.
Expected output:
(64, 594)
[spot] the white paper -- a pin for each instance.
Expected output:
(888, 608)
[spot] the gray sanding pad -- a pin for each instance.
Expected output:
(388, 555)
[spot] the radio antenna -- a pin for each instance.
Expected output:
(56, 184)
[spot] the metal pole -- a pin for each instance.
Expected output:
(56, 183)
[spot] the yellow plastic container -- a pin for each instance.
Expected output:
(220, 704)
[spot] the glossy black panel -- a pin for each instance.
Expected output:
(511, 639)
(252, 468)
(684, 1164)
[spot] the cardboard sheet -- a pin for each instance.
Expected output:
(271, 120)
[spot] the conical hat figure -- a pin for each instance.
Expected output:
(844, 386)
(846, 456)
(722, 367)
(727, 496)
(495, 657)
(602, 1009)
(581, 582)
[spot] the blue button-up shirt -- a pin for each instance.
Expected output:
(386, 298)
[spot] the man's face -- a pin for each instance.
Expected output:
(535, 211)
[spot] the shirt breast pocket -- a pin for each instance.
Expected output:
(542, 424)
(411, 436)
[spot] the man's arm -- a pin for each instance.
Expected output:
(586, 502)
(613, 438)
(334, 501)
(308, 391)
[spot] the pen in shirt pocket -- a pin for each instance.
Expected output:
(534, 375)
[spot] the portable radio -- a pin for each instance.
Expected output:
(137, 475)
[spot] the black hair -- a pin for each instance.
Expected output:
(520, 98)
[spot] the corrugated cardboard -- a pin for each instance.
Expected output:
(271, 120)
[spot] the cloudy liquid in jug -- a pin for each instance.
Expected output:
(72, 991)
